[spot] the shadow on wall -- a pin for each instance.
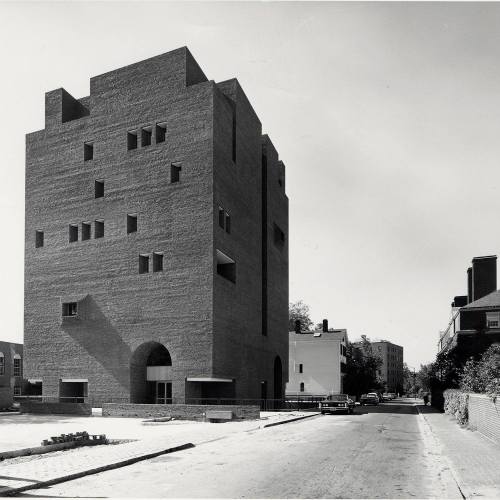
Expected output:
(94, 332)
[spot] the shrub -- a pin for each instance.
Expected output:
(470, 378)
(456, 404)
(489, 371)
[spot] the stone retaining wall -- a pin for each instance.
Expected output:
(56, 408)
(179, 411)
(484, 416)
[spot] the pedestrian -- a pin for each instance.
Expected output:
(426, 398)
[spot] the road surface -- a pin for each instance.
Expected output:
(379, 452)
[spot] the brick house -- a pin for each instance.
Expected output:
(11, 372)
(156, 241)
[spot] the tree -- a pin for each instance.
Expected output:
(299, 311)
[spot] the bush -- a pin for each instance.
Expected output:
(470, 378)
(456, 404)
(489, 371)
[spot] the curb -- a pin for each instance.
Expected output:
(290, 420)
(5, 492)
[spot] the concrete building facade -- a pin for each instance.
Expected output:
(156, 241)
(391, 370)
(316, 363)
(11, 372)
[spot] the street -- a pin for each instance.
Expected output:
(379, 452)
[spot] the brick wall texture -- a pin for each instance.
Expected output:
(211, 326)
(484, 416)
(55, 408)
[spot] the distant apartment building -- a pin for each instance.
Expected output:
(156, 242)
(316, 362)
(475, 318)
(11, 372)
(391, 370)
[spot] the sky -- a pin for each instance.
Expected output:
(386, 116)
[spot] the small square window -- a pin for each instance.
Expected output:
(88, 151)
(161, 132)
(146, 135)
(38, 239)
(221, 217)
(228, 223)
(99, 188)
(86, 229)
(99, 228)
(175, 172)
(157, 261)
(69, 309)
(73, 233)
(131, 223)
(132, 139)
(143, 263)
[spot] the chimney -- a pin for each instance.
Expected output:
(469, 285)
(297, 326)
(484, 276)
(325, 325)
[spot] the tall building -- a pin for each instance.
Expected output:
(316, 362)
(391, 370)
(11, 372)
(156, 243)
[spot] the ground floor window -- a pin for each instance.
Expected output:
(73, 390)
(163, 393)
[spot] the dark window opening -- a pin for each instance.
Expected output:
(161, 132)
(280, 182)
(99, 228)
(157, 262)
(131, 223)
(302, 387)
(38, 239)
(73, 233)
(226, 267)
(88, 151)
(146, 135)
(228, 223)
(69, 309)
(175, 172)
(86, 229)
(301, 368)
(143, 264)
(132, 140)
(221, 217)
(99, 188)
(234, 135)
(279, 236)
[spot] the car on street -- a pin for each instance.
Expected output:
(369, 399)
(337, 403)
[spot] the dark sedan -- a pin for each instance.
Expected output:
(336, 403)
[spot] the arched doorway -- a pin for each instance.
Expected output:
(278, 378)
(151, 374)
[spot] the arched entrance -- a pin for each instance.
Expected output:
(278, 378)
(151, 374)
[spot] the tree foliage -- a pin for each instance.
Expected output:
(299, 311)
(483, 375)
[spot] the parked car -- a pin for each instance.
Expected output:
(335, 403)
(369, 399)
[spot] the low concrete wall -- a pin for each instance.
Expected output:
(484, 416)
(179, 411)
(55, 408)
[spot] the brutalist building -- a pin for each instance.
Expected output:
(156, 254)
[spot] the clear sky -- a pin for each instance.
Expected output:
(385, 114)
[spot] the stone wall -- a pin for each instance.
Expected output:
(179, 411)
(484, 416)
(56, 408)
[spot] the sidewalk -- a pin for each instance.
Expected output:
(29, 472)
(473, 458)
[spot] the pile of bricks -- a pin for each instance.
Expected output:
(82, 437)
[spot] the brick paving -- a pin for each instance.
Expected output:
(31, 471)
(473, 458)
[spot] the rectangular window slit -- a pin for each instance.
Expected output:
(88, 151)
(175, 172)
(221, 217)
(73, 233)
(161, 132)
(86, 231)
(99, 188)
(38, 239)
(132, 139)
(143, 263)
(146, 134)
(131, 223)
(228, 223)
(157, 261)
(99, 228)
(226, 267)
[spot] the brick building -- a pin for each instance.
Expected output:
(391, 370)
(316, 362)
(156, 243)
(11, 372)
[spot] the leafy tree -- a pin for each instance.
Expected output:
(482, 375)
(299, 311)
(470, 380)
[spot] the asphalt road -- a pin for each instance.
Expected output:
(379, 452)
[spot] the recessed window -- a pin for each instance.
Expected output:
(143, 263)
(69, 309)
(131, 223)
(221, 217)
(146, 135)
(226, 267)
(161, 132)
(99, 228)
(86, 229)
(132, 139)
(175, 172)
(157, 261)
(99, 188)
(302, 387)
(2, 364)
(228, 223)
(73, 233)
(38, 239)
(492, 320)
(88, 151)
(17, 365)
(279, 236)
(301, 368)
